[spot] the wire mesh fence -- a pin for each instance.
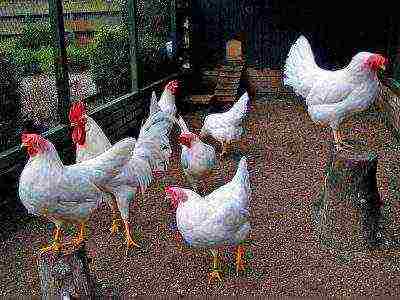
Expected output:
(97, 46)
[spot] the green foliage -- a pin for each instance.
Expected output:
(78, 56)
(24, 59)
(36, 35)
(110, 60)
(7, 46)
(45, 57)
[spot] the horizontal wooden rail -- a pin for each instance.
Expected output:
(11, 159)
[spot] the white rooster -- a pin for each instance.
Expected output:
(197, 158)
(67, 194)
(228, 126)
(151, 154)
(218, 219)
(331, 96)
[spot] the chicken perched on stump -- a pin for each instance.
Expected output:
(228, 126)
(67, 194)
(151, 154)
(331, 96)
(218, 219)
(197, 158)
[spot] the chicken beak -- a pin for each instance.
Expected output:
(73, 124)
(23, 145)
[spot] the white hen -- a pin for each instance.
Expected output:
(218, 219)
(67, 193)
(228, 126)
(331, 96)
(197, 157)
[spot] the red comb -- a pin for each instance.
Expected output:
(76, 111)
(173, 86)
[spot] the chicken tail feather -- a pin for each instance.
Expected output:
(300, 64)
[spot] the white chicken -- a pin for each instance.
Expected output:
(151, 154)
(228, 126)
(218, 219)
(167, 99)
(331, 96)
(67, 194)
(197, 158)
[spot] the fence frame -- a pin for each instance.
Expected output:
(11, 159)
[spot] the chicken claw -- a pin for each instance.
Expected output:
(214, 274)
(224, 149)
(55, 246)
(115, 226)
(129, 241)
(239, 259)
(339, 144)
(77, 241)
(216, 270)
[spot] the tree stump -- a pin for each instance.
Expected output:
(65, 275)
(349, 214)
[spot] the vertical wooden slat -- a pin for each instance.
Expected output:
(62, 79)
(135, 65)
(173, 26)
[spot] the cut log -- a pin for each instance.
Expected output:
(349, 214)
(65, 275)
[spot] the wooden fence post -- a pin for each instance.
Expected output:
(349, 216)
(65, 275)
(62, 78)
(135, 59)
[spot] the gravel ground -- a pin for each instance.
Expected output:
(286, 154)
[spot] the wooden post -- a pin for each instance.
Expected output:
(173, 28)
(62, 79)
(349, 212)
(135, 60)
(65, 275)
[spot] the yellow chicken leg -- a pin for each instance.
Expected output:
(129, 241)
(77, 241)
(56, 245)
(116, 220)
(339, 144)
(239, 259)
(215, 274)
(224, 149)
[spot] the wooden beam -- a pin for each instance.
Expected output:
(173, 27)
(62, 79)
(135, 60)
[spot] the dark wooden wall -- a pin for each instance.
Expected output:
(335, 29)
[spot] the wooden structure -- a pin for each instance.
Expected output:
(228, 81)
(228, 76)
(389, 99)
(66, 275)
(348, 214)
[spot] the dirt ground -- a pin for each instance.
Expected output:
(286, 155)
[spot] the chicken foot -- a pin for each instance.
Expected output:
(77, 241)
(239, 259)
(215, 274)
(224, 148)
(129, 241)
(116, 220)
(56, 245)
(339, 143)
